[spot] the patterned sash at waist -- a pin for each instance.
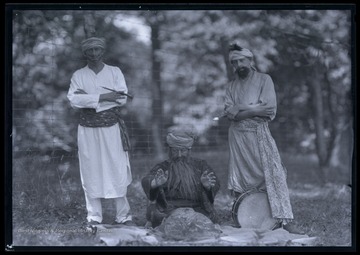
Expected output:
(248, 125)
(107, 118)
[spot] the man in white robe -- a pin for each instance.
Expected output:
(102, 137)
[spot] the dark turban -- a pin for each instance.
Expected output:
(92, 42)
(180, 139)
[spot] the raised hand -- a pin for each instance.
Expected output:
(208, 180)
(160, 178)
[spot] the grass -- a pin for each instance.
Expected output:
(49, 205)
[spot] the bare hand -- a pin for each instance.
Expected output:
(112, 96)
(262, 110)
(208, 180)
(160, 178)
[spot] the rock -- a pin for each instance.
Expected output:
(187, 225)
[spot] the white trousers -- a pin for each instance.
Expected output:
(94, 209)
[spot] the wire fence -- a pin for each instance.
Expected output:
(51, 127)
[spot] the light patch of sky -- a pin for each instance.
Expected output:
(134, 25)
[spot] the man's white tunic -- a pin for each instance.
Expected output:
(104, 165)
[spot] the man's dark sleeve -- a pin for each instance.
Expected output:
(151, 193)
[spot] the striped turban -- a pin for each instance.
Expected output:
(92, 42)
(180, 139)
(239, 54)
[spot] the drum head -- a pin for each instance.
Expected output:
(252, 210)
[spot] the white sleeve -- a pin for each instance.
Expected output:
(117, 83)
(81, 100)
(120, 85)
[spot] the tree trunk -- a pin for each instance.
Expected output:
(157, 111)
(320, 143)
(343, 152)
(89, 25)
(333, 122)
(225, 53)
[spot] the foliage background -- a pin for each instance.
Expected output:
(175, 62)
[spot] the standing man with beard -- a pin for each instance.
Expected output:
(103, 141)
(254, 162)
(180, 181)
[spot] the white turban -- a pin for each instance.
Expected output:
(239, 54)
(92, 42)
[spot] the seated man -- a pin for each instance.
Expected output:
(180, 181)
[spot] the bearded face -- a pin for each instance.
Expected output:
(177, 153)
(242, 72)
(241, 67)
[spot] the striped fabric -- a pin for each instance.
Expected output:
(91, 118)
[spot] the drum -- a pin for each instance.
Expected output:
(252, 210)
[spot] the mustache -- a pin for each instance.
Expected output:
(242, 72)
(178, 159)
(94, 57)
(242, 69)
